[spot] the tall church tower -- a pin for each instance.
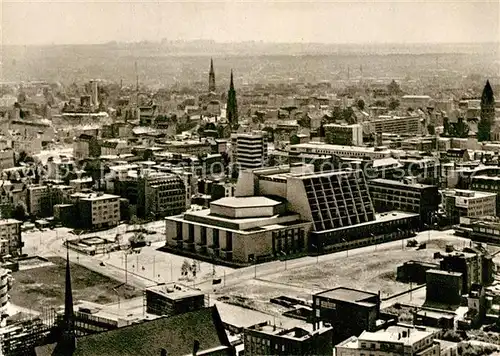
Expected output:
(487, 113)
(211, 77)
(66, 345)
(232, 105)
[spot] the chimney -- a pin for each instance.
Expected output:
(196, 347)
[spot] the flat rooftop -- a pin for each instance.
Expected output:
(94, 196)
(398, 183)
(445, 273)
(394, 334)
(325, 146)
(9, 221)
(175, 291)
(347, 294)
(246, 202)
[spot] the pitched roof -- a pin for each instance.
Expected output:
(176, 334)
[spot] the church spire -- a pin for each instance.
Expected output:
(487, 114)
(232, 105)
(68, 341)
(211, 77)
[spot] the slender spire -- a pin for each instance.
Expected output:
(232, 104)
(211, 77)
(68, 341)
(68, 296)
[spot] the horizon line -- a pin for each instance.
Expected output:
(262, 42)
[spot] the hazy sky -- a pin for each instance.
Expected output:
(56, 21)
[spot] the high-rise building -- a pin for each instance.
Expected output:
(249, 150)
(487, 115)
(232, 105)
(211, 77)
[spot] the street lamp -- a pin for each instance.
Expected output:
(347, 249)
(402, 239)
(317, 251)
(282, 253)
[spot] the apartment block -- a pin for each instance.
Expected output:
(10, 237)
(97, 210)
(249, 150)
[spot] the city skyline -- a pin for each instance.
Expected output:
(370, 22)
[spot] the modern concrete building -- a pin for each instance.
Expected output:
(443, 287)
(160, 194)
(348, 311)
(249, 151)
(468, 204)
(271, 340)
(415, 101)
(314, 147)
(406, 125)
(240, 229)
(10, 237)
(38, 200)
(347, 135)
(97, 210)
(173, 299)
(390, 195)
(395, 340)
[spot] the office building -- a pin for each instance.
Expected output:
(173, 299)
(485, 183)
(406, 125)
(412, 197)
(348, 311)
(249, 150)
(415, 101)
(97, 210)
(39, 200)
(444, 287)
(160, 195)
(395, 340)
(468, 204)
(476, 267)
(319, 148)
(346, 135)
(10, 234)
(271, 340)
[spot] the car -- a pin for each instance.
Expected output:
(102, 264)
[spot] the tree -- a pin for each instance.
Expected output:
(19, 212)
(431, 129)
(393, 88)
(360, 104)
(393, 104)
